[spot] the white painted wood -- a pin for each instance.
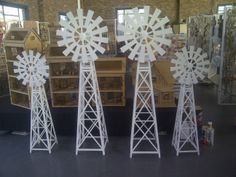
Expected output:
(144, 131)
(144, 35)
(33, 71)
(91, 126)
(189, 67)
(83, 37)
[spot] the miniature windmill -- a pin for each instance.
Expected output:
(83, 37)
(144, 35)
(32, 69)
(189, 66)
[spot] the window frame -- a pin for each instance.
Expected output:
(124, 8)
(223, 5)
(61, 14)
(24, 8)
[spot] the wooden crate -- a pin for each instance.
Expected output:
(15, 42)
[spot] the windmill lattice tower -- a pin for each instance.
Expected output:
(82, 36)
(189, 67)
(32, 69)
(144, 37)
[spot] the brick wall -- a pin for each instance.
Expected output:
(107, 8)
(51, 9)
(47, 10)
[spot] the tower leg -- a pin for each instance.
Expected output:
(144, 133)
(185, 136)
(91, 126)
(42, 132)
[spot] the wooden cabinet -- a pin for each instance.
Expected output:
(17, 40)
(64, 79)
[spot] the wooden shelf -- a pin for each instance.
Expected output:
(64, 91)
(111, 91)
(19, 99)
(64, 79)
(111, 65)
(64, 99)
(19, 91)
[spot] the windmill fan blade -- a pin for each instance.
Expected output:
(150, 53)
(76, 53)
(160, 50)
(154, 17)
(88, 18)
(69, 49)
(95, 23)
(66, 25)
(92, 53)
(128, 46)
(101, 39)
(100, 30)
(80, 17)
(162, 32)
(65, 42)
(72, 19)
(64, 34)
(134, 51)
(197, 53)
(191, 51)
(146, 14)
(98, 47)
(162, 22)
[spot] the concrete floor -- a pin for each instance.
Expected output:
(217, 161)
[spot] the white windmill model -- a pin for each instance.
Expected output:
(32, 69)
(189, 67)
(144, 35)
(83, 38)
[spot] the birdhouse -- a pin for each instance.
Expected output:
(17, 40)
(25, 38)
